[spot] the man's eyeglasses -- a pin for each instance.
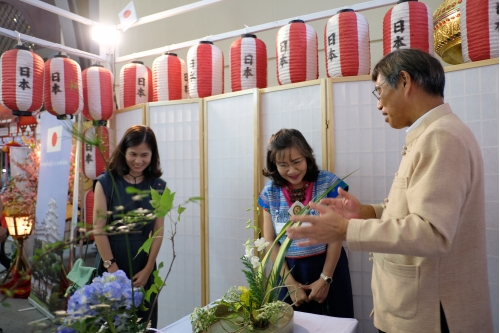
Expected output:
(376, 91)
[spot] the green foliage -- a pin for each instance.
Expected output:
(162, 204)
(53, 300)
(146, 247)
(203, 318)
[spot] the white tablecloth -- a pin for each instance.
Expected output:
(302, 323)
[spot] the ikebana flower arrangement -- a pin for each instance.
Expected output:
(256, 306)
(245, 308)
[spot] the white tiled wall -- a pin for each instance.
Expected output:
(363, 140)
(230, 181)
(473, 96)
(298, 108)
(177, 130)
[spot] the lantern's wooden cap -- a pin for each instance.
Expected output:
(171, 54)
(345, 10)
(137, 62)
(248, 35)
(401, 1)
(206, 42)
(21, 47)
(21, 113)
(96, 123)
(296, 21)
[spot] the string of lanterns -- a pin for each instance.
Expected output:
(27, 82)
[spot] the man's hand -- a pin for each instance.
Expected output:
(346, 205)
(326, 228)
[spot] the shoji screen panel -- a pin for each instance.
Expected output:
(177, 126)
(362, 140)
(230, 169)
(301, 106)
(124, 118)
(472, 91)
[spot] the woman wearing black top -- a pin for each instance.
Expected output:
(134, 162)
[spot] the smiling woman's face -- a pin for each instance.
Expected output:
(292, 166)
(138, 158)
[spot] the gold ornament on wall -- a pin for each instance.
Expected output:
(447, 40)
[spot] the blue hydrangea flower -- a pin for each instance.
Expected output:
(62, 329)
(112, 291)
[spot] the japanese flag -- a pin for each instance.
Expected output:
(127, 16)
(54, 136)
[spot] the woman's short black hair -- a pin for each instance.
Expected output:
(134, 136)
(280, 141)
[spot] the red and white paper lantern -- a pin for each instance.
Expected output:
(88, 211)
(136, 84)
(347, 44)
(63, 90)
(296, 53)
(21, 81)
(479, 29)
(94, 163)
(170, 78)
(205, 63)
(98, 93)
(248, 61)
(408, 25)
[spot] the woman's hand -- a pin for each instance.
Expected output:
(297, 294)
(141, 278)
(319, 290)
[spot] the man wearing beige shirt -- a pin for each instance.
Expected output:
(427, 240)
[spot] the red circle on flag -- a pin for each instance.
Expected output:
(127, 13)
(54, 139)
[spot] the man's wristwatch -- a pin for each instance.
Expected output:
(107, 263)
(327, 279)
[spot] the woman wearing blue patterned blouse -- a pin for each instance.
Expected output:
(319, 280)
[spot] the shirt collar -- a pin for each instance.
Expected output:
(419, 120)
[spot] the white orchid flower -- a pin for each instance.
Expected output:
(248, 252)
(255, 262)
(261, 244)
